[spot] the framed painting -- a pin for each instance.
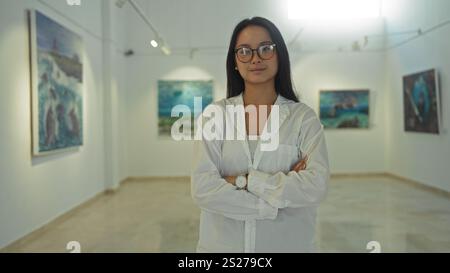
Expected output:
(57, 86)
(344, 108)
(421, 102)
(180, 92)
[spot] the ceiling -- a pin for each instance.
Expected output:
(205, 27)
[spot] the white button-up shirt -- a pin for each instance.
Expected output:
(278, 211)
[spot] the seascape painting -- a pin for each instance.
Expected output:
(344, 109)
(57, 81)
(176, 92)
(421, 102)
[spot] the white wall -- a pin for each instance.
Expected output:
(382, 148)
(33, 191)
(114, 78)
(421, 157)
(350, 150)
(150, 156)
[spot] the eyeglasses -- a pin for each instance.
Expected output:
(245, 54)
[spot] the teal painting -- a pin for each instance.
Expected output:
(421, 102)
(180, 92)
(344, 108)
(57, 82)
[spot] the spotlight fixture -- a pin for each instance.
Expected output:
(129, 53)
(165, 50)
(158, 41)
(120, 3)
(356, 46)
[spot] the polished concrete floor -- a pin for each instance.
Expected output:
(159, 216)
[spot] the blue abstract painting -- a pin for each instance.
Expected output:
(178, 92)
(57, 81)
(344, 109)
(421, 102)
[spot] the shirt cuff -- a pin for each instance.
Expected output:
(257, 182)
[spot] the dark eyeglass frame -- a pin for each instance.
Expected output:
(257, 52)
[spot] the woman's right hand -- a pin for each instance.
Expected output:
(301, 165)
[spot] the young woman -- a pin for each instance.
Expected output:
(255, 200)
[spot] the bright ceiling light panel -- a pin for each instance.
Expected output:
(327, 10)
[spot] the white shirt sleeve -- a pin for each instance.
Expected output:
(213, 193)
(298, 189)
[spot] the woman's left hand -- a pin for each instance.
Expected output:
(231, 180)
(301, 165)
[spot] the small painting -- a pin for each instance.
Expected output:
(344, 108)
(57, 83)
(421, 102)
(180, 92)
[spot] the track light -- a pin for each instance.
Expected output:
(159, 41)
(129, 53)
(120, 3)
(165, 50)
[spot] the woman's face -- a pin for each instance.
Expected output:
(256, 70)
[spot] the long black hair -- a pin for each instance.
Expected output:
(283, 82)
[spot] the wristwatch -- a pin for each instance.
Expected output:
(241, 182)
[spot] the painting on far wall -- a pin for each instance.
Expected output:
(421, 102)
(344, 108)
(180, 92)
(57, 82)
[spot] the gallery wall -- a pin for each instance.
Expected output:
(121, 112)
(115, 93)
(418, 156)
(384, 147)
(351, 151)
(34, 191)
(150, 155)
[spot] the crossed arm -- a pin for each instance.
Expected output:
(305, 185)
(299, 166)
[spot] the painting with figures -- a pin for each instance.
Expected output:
(57, 83)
